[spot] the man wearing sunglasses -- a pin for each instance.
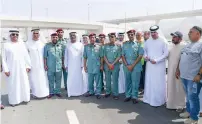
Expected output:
(53, 64)
(132, 54)
(63, 42)
(112, 55)
(155, 53)
(16, 64)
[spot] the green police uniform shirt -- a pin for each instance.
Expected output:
(53, 53)
(112, 52)
(63, 42)
(93, 54)
(131, 51)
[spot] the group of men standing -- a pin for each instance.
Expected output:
(125, 66)
(184, 79)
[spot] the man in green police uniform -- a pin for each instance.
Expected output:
(101, 43)
(53, 64)
(62, 41)
(112, 54)
(93, 64)
(131, 55)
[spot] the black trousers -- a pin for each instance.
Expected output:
(142, 79)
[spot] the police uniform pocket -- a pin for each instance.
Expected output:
(115, 54)
(98, 63)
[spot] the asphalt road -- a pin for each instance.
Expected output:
(82, 110)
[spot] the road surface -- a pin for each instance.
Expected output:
(82, 110)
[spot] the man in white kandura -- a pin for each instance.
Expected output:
(175, 91)
(121, 86)
(16, 65)
(85, 41)
(155, 53)
(38, 77)
(73, 63)
(1, 106)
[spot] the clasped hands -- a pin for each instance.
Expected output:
(111, 66)
(151, 60)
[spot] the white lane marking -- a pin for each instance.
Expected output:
(72, 117)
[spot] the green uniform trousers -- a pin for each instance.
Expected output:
(112, 79)
(102, 78)
(54, 79)
(132, 80)
(94, 78)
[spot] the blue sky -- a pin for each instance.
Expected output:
(99, 9)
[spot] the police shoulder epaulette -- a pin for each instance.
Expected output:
(125, 42)
(48, 43)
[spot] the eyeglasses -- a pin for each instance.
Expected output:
(14, 34)
(101, 37)
(35, 33)
(112, 36)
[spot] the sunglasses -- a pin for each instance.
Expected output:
(14, 34)
(35, 33)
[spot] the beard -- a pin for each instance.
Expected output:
(175, 42)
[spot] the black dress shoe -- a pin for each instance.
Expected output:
(135, 101)
(88, 94)
(58, 95)
(107, 95)
(127, 99)
(98, 96)
(50, 96)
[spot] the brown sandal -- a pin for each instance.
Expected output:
(2, 107)
(200, 114)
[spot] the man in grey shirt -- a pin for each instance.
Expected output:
(189, 71)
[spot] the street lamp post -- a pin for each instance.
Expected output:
(1, 6)
(88, 12)
(47, 13)
(193, 4)
(30, 9)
